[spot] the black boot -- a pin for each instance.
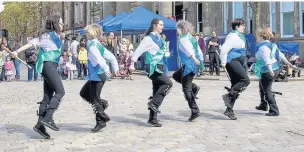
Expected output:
(101, 116)
(227, 100)
(195, 91)
(194, 116)
(230, 114)
(153, 107)
(99, 126)
(263, 106)
(153, 119)
(48, 120)
(40, 129)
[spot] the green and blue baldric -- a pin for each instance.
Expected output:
(94, 72)
(260, 65)
(49, 55)
(158, 58)
(189, 64)
(237, 52)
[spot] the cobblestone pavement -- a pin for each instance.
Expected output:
(128, 130)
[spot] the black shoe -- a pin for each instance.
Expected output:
(98, 127)
(227, 100)
(150, 98)
(230, 114)
(154, 122)
(40, 129)
(196, 92)
(262, 107)
(49, 122)
(272, 114)
(153, 107)
(194, 116)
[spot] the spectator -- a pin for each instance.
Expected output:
(31, 58)
(111, 43)
(83, 58)
(213, 52)
(9, 69)
(74, 48)
(201, 42)
(16, 61)
(3, 55)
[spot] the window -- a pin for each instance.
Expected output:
(76, 12)
(81, 11)
(287, 19)
(249, 18)
(66, 16)
(225, 17)
(272, 16)
(199, 17)
(301, 18)
(237, 10)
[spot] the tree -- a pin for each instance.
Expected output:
(21, 19)
(256, 12)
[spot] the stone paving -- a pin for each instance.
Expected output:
(128, 131)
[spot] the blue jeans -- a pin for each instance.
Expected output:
(30, 73)
(17, 66)
(76, 61)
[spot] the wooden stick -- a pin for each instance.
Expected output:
(18, 58)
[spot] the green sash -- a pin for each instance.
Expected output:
(52, 55)
(194, 43)
(153, 60)
(260, 63)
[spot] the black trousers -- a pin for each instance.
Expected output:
(265, 86)
(84, 69)
(188, 87)
(91, 93)
(161, 86)
(238, 75)
(214, 63)
(53, 89)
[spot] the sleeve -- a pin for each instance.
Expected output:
(98, 59)
(200, 54)
(227, 46)
(34, 42)
(265, 54)
(144, 46)
(111, 58)
(187, 47)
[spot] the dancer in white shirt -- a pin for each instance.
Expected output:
(233, 57)
(154, 47)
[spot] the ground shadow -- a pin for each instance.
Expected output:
(121, 119)
(15, 128)
(240, 112)
(76, 127)
(160, 116)
(205, 115)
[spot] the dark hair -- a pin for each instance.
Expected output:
(155, 21)
(52, 24)
(237, 22)
(74, 38)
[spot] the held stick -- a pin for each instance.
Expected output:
(19, 59)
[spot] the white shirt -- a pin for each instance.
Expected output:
(264, 54)
(146, 45)
(186, 47)
(96, 59)
(73, 47)
(45, 42)
(232, 41)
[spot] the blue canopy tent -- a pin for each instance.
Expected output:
(138, 21)
(116, 18)
(289, 47)
(105, 19)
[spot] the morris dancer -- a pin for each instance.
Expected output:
(154, 46)
(192, 59)
(267, 67)
(99, 72)
(233, 57)
(49, 46)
